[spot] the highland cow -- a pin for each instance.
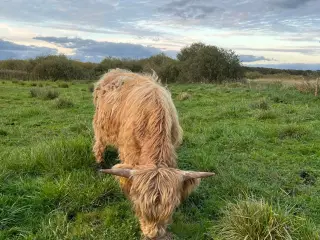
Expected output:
(135, 114)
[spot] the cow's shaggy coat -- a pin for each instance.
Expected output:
(136, 114)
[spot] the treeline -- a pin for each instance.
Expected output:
(260, 72)
(195, 63)
(266, 71)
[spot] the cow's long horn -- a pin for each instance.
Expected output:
(121, 172)
(191, 174)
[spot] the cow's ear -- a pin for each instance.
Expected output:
(121, 172)
(193, 174)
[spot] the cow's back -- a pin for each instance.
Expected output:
(133, 110)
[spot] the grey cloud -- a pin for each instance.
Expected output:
(251, 58)
(89, 49)
(291, 3)
(4, 55)
(83, 11)
(10, 50)
(115, 28)
(179, 3)
(310, 50)
(303, 38)
(268, 16)
(171, 53)
(189, 9)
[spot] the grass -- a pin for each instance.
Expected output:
(3, 132)
(264, 115)
(63, 85)
(50, 189)
(255, 219)
(90, 87)
(183, 96)
(44, 93)
(63, 103)
(261, 104)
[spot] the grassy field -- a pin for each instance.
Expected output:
(261, 140)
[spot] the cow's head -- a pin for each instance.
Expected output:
(156, 193)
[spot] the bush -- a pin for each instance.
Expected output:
(58, 68)
(166, 68)
(252, 219)
(205, 63)
(63, 103)
(44, 93)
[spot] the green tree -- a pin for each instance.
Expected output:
(206, 63)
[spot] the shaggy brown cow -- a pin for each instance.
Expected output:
(136, 114)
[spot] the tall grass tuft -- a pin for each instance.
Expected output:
(3, 132)
(184, 96)
(293, 131)
(63, 103)
(44, 93)
(58, 155)
(255, 219)
(264, 115)
(308, 87)
(63, 85)
(261, 104)
(90, 87)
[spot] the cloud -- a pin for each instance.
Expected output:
(81, 11)
(10, 50)
(94, 16)
(188, 9)
(291, 4)
(308, 50)
(86, 49)
(114, 17)
(268, 16)
(304, 38)
(251, 58)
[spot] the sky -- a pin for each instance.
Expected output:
(269, 33)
